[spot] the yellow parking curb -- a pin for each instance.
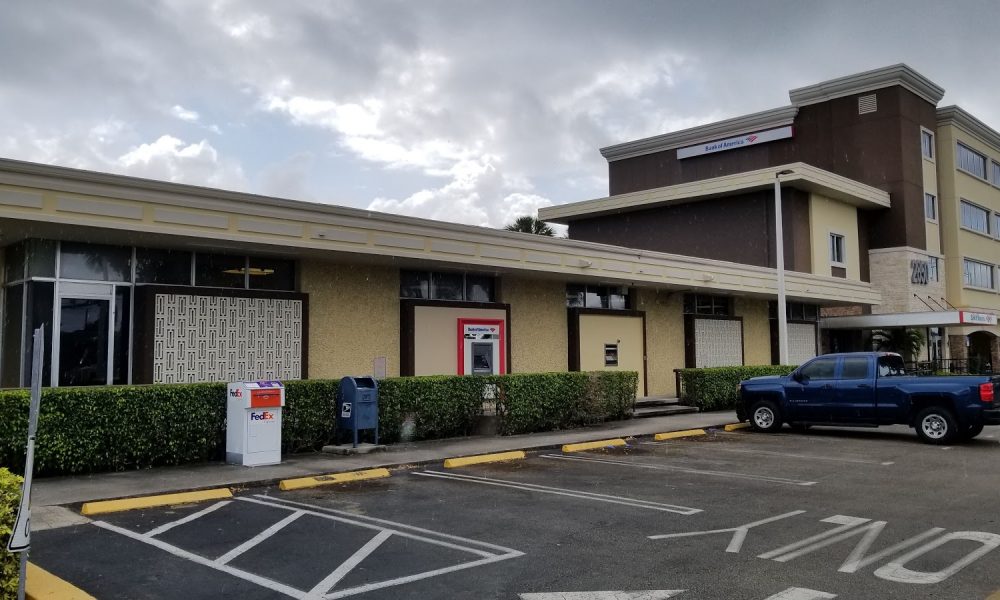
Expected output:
(670, 435)
(592, 445)
(309, 482)
(42, 585)
(735, 426)
(109, 506)
(478, 459)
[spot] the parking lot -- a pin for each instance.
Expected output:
(825, 514)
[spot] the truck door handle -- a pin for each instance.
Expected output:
(864, 386)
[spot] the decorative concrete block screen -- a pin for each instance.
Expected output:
(801, 342)
(718, 343)
(218, 338)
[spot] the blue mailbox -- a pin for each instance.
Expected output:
(357, 405)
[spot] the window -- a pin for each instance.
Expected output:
(932, 269)
(927, 143)
(855, 368)
(271, 274)
(930, 207)
(166, 267)
(220, 270)
(95, 262)
(978, 274)
(995, 175)
(701, 304)
(975, 217)
(597, 296)
(996, 224)
(891, 365)
(821, 368)
(795, 311)
(837, 255)
(971, 161)
(428, 285)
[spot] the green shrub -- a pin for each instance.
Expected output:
(10, 498)
(717, 388)
(117, 428)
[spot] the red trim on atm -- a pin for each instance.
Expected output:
(266, 398)
(461, 341)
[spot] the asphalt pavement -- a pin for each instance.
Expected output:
(829, 513)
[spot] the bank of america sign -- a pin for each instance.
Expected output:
(749, 139)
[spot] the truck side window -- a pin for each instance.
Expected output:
(822, 368)
(891, 366)
(855, 368)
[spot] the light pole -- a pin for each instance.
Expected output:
(779, 244)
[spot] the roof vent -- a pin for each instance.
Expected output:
(867, 104)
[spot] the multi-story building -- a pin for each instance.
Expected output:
(930, 245)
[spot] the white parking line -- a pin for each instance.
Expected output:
(322, 590)
(641, 465)
(703, 447)
(191, 517)
(544, 489)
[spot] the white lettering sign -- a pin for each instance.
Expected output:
(742, 141)
(977, 318)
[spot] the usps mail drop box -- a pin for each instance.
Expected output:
(253, 425)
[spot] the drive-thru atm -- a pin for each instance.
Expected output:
(253, 425)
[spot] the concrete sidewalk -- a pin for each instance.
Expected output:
(86, 488)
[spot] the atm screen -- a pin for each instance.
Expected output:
(482, 359)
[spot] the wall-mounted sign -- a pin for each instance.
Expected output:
(918, 272)
(977, 318)
(742, 141)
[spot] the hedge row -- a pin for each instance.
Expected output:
(10, 497)
(92, 429)
(717, 388)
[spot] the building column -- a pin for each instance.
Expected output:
(995, 353)
(957, 350)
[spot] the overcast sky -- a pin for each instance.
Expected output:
(463, 111)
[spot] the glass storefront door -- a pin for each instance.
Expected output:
(84, 344)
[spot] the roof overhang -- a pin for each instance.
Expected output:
(957, 117)
(804, 177)
(71, 204)
(899, 74)
(768, 119)
(939, 318)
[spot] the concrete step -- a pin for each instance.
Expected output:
(662, 411)
(656, 401)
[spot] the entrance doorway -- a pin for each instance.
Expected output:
(90, 337)
(981, 352)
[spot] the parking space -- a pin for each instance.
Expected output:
(825, 514)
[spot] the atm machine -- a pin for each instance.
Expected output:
(482, 345)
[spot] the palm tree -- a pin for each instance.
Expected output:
(907, 342)
(529, 224)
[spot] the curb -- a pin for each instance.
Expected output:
(464, 461)
(593, 445)
(39, 584)
(736, 426)
(671, 435)
(402, 462)
(301, 483)
(109, 506)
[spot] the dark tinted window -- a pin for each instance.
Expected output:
(478, 288)
(855, 368)
(447, 286)
(220, 270)
(38, 313)
(41, 258)
(891, 365)
(414, 284)
(13, 266)
(822, 368)
(162, 266)
(701, 304)
(575, 295)
(13, 312)
(95, 262)
(272, 274)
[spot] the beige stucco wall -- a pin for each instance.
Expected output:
(756, 330)
(353, 318)
(435, 336)
(931, 187)
(626, 331)
(664, 338)
(538, 330)
(959, 243)
(828, 216)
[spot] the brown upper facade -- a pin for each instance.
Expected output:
(864, 129)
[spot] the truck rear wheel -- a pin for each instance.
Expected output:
(936, 425)
(765, 416)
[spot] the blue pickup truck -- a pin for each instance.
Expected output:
(868, 389)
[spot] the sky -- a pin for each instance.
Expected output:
(465, 111)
